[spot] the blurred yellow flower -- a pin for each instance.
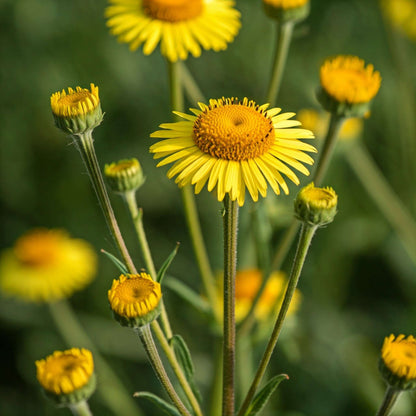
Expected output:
(402, 15)
(233, 145)
(286, 4)
(46, 265)
(181, 26)
(68, 375)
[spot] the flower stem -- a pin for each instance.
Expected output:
(389, 400)
(80, 409)
(230, 265)
(305, 239)
(137, 217)
(284, 36)
(325, 154)
(190, 86)
(383, 195)
(146, 338)
(111, 389)
(85, 145)
(188, 199)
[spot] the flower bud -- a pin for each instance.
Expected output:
(124, 176)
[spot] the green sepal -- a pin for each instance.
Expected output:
(138, 321)
(188, 294)
(293, 14)
(263, 396)
(81, 123)
(162, 271)
(118, 263)
(183, 355)
(164, 406)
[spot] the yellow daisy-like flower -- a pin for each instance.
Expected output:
(287, 10)
(398, 361)
(46, 265)
(77, 110)
(402, 15)
(180, 26)
(124, 176)
(233, 145)
(286, 4)
(67, 376)
(135, 299)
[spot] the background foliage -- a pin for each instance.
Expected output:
(359, 283)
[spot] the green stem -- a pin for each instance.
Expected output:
(111, 389)
(137, 217)
(80, 409)
(389, 400)
(325, 154)
(230, 265)
(190, 86)
(188, 198)
(284, 36)
(305, 238)
(146, 338)
(176, 368)
(85, 145)
(383, 195)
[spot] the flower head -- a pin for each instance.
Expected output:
(398, 361)
(46, 265)
(234, 145)
(316, 206)
(124, 176)
(287, 10)
(348, 85)
(77, 111)
(180, 26)
(402, 15)
(135, 299)
(67, 376)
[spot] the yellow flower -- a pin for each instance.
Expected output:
(286, 4)
(234, 145)
(135, 299)
(46, 265)
(287, 10)
(181, 26)
(67, 376)
(318, 122)
(78, 110)
(124, 176)
(398, 361)
(402, 15)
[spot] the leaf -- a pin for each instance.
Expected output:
(118, 263)
(263, 396)
(188, 294)
(183, 355)
(162, 404)
(162, 271)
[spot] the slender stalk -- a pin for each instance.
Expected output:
(176, 368)
(111, 390)
(389, 400)
(85, 145)
(190, 86)
(146, 338)
(230, 265)
(383, 195)
(284, 36)
(80, 409)
(325, 154)
(188, 199)
(305, 239)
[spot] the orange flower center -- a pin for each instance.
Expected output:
(234, 131)
(173, 10)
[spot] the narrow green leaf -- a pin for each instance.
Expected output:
(119, 264)
(162, 271)
(263, 396)
(162, 404)
(188, 294)
(185, 361)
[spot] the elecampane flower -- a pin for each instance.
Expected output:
(232, 145)
(46, 265)
(180, 26)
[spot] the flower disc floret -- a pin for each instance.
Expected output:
(398, 361)
(232, 145)
(46, 265)
(67, 376)
(135, 299)
(180, 26)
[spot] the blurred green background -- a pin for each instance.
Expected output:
(359, 282)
